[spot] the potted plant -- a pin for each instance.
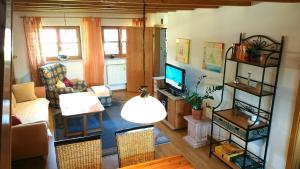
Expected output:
(196, 100)
(254, 50)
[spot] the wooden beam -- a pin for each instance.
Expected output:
(106, 7)
(158, 2)
(89, 10)
(107, 4)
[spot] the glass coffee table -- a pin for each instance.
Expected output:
(82, 105)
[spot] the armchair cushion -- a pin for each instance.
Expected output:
(79, 85)
(24, 92)
(64, 90)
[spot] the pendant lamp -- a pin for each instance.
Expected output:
(143, 108)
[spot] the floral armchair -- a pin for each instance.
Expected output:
(50, 74)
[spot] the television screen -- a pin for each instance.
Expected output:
(174, 77)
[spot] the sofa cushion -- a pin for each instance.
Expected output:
(24, 91)
(33, 111)
(29, 140)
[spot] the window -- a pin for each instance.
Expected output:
(114, 40)
(61, 39)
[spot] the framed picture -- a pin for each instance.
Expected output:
(182, 50)
(213, 56)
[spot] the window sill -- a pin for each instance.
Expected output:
(69, 60)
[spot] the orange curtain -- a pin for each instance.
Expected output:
(93, 51)
(33, 30)
(137, 22)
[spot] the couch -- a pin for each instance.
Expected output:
(30, 138)
(50, 75)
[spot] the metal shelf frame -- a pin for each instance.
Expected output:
(273, 50)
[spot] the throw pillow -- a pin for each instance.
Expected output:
(15, 120)
(67, 82)
(60, 84)
(24, 92)
(13, 100)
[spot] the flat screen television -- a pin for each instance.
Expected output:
(174, 78)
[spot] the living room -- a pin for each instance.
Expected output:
(200, 27)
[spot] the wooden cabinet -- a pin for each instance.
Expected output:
(139, 74)
(176, 109)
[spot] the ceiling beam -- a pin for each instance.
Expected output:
(108, 5)
(93, 11)
(149, 2)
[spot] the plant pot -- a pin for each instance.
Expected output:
(197, 114)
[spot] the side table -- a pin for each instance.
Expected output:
(197, 131)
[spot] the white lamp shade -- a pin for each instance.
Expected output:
(143, 110)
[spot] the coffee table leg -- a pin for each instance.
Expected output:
(85, 127)
(100, 115)
(66, 126)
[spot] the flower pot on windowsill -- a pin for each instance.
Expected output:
(197, 114)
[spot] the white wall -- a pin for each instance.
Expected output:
(224, 25)
(74, 68)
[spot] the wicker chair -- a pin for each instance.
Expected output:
(79, 153)
(135, 145)
(50, 74)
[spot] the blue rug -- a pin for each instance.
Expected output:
(111, 122)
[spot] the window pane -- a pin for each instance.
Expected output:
(49, 36)
(123, 47)
(111, 35)
(111, 48)
(50, 50)
(124, 36)
(68, 35)
(70, 49)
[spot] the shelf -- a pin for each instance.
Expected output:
(248, 89)
(254, 63)
(239, 159)
(229, 163)
(240, 119)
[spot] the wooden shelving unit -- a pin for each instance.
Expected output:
(237, 120)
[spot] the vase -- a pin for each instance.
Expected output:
(197, 114)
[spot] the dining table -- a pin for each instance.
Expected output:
(172, 162)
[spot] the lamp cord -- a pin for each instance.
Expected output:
(144, 32)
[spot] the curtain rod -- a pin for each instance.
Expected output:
(78, 17)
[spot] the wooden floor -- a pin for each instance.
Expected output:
(197, 157)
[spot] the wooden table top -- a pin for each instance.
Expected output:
(73, 104)
(173, 162)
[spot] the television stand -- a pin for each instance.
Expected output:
(176, 109)
(173, 92)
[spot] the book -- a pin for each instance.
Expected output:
(227, 151)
